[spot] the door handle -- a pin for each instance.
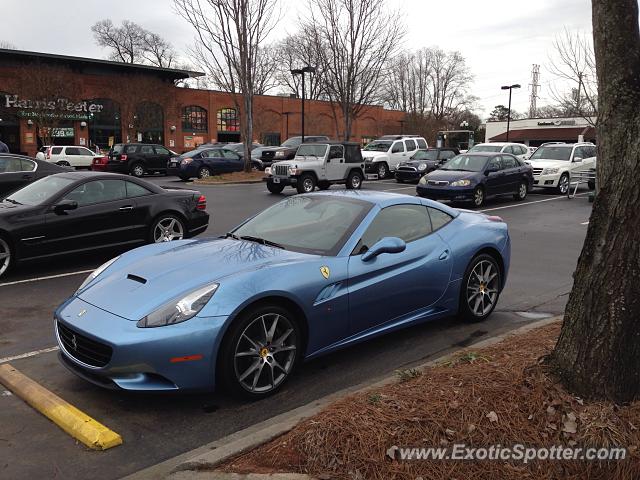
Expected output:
(126, 208)
(26, 177)
(444, 255)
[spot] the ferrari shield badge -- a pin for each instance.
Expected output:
(325, 272)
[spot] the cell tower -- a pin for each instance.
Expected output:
(535, 84)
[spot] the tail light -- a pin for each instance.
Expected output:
(202, 203)
(123, 158)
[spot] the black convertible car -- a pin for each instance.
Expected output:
(16, 171)
(81, 211)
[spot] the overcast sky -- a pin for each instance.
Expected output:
(501, 39)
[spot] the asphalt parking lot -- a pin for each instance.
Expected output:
(547, 234)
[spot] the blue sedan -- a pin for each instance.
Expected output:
(307, 276)
(204, 162)
(474, 177)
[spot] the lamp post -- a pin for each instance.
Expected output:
(510, 88)
(301, 72)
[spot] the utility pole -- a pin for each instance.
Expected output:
(510, 88)
(578, 107)
(535, 84)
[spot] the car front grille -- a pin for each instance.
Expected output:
(281, 170)
(84, 349)
(438, 183)
(537, 171)
(407, 169)
(268, 155)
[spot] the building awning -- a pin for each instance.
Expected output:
(547, 134)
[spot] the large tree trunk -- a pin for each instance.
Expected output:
(598, 352)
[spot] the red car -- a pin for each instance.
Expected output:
(100, 164)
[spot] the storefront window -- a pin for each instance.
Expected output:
(228, 120)
(104, 126)
(149, 120)
(194, 119)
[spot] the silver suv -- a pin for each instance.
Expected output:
(319, 165)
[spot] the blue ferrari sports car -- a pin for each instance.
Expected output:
(307, 276)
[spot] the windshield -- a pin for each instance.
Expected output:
(485, 148)
(41, 191)
(466, 163)
(311, 151)
(316, 224)
(377, 146)
(292, 142)
(425, 155)
(552, 153)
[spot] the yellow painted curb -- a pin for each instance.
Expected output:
(76, 423)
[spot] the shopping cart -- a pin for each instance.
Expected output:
(579, 178)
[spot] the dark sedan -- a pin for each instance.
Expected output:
(16, 171)
(423, 161)
(82, 211)
(474, 177)
(202, 163)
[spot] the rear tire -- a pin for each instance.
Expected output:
(275, 187)
(166, 228)
(563, 184)
(306, 183)
(354, 180)
(137, 170)
(383, 170)
(253, 364)
(521, 194)
(6, 255)
(480, 289)
(204, 172)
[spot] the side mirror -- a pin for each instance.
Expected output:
(384, 245)
(64, 205)
(577, 159)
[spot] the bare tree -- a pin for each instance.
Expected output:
(294, 52)
(450, 79)
(7, 45)
(574, 65)
(230, 33)
(354, 39)
(131, 43)
(597, 353)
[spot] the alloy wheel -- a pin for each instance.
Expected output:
(478, 197)
(204, 173)
(5, 256)
(355, 182)
(564, 184)
(265, 353)
(382, 171)
(168, 229)
(307, 185)
(522, 191)
(138, 171)
(482, 288)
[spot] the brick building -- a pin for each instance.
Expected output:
(82, 101)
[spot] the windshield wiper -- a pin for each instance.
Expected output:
(231, 235)
(262, 241)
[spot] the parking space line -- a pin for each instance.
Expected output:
(528, 203)
(50, 277)
(73, 421)
(28, 354)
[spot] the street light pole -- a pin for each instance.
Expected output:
(510, 88)
(301, 72)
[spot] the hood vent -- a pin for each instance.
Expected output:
(136, 278)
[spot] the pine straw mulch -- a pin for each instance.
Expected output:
(498, 395)
(232, 177)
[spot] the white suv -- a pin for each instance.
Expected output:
(383, 155)
(554, 164)
(71, 156)
(517, 149)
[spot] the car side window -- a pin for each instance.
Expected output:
(98, 191)
(147, 150)
(578, 152)
(135, 190)
(398, 147)
(131, 149)
(27, 165)
(72, 151)
(212, 154)
(162, 151)
(336, 151)
(447, 154)
(410, 144)
(408, 222)
(56, 150)
(494, 164)
(230, 154)
(438, 218)
(421, 143)
(85, 151)
(10, 165)
(508, 162)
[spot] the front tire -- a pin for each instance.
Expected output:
(480, 288)
(306, 183)
(166, 228)
(521, 194)
(563, 184)
(137, 170)
(383, 170)
(204, 172)
(478, 196)
(354, 180)
(259, 352)
(275, 187)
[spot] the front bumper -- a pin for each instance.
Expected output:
(458, 194)
(409, 175)
(548, 181)
(287, 181)
(173, 357)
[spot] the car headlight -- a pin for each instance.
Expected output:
(423, 180)
(279, 154)
(177, 311)
(186, 161)
(97, 272)
(422, 167)
(267, 171)
(294, 171)
(368, 159)
(461, 183)
(550, 171)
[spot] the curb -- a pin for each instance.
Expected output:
(239, 182)
(76, 423)
(204, 460)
